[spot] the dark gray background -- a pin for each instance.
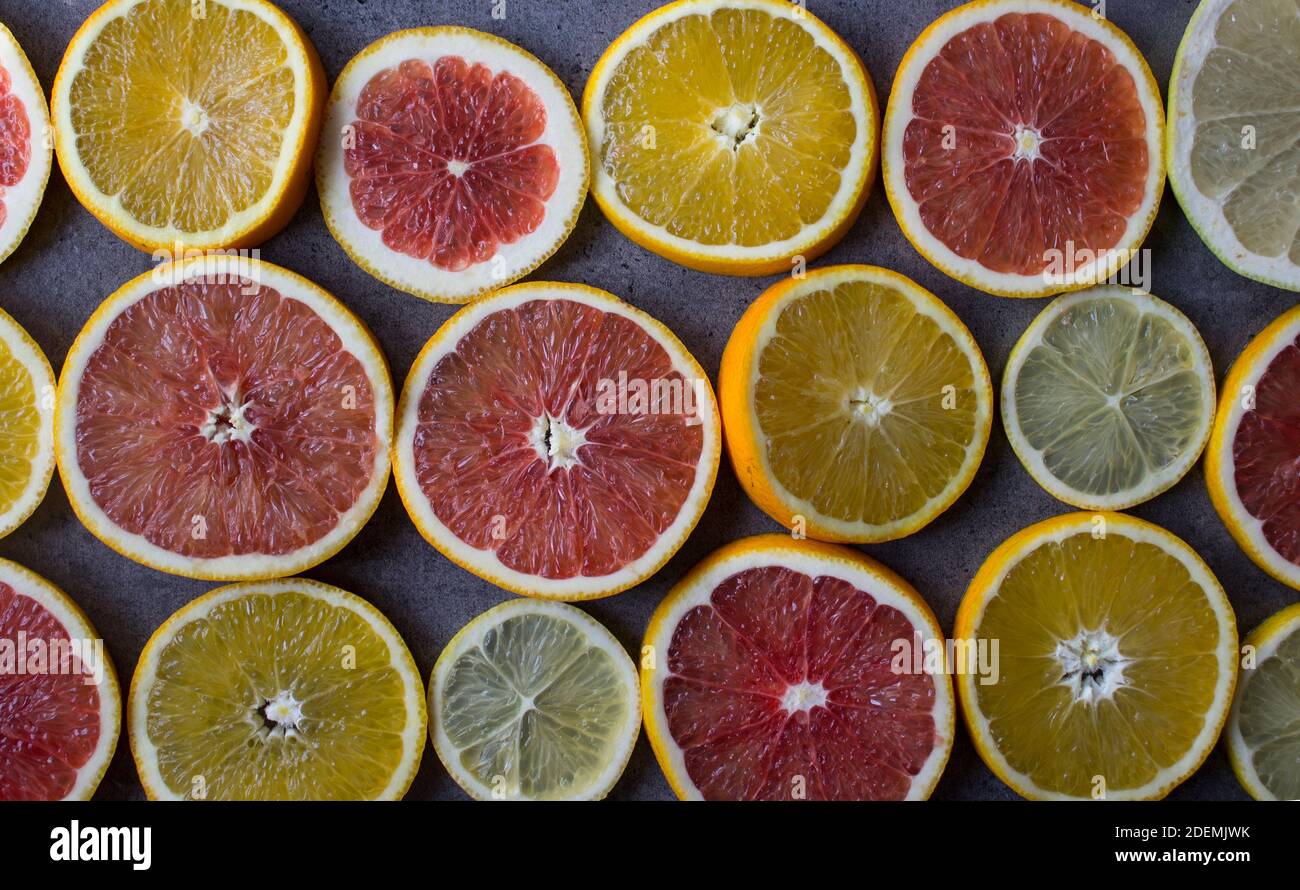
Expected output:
(69, 262)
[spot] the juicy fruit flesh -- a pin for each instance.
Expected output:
(215, 422)
(518, 452)
(781, 686)
(283, 697)
(1108, 663)
(1028, 138)
(867, 405)
(535, 710)
(730, 128)
(20, 427)
(15, 140)
(1251, 79)
(1266, 454)
(182, 118)
(446, 160)
(1268, 715)
(49, 717)
(1110, 397)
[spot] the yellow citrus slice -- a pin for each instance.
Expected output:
(26, 151)
(1264, 729)
(1252, 466)
(856, 406)
(1116, 651)
(1233, 157)
(784, 669)
(1021, 149)
(731, 136)
(277, 690)
(60, 707)
(188, 125)
(1108, 397)
(534, 701)
(26, 424)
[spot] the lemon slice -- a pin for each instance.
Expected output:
(731, 136)
(1108, 397)
(1117, 652)
(1232, 150)
(277, 690)
(534, 700)
(855, 405)
(1264, 729)
(188, 125)
(26, 424)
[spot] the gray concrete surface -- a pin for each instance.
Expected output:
(69, 262)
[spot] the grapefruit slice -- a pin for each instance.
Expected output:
(1252, 466)
(224, 418)
(1022, 146)
(27, 431)
(556, 441)
(60, 708)
(453, 162)
(25, 148)
(771, 672)
(1263, 744)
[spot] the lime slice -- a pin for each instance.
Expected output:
(1264, 730)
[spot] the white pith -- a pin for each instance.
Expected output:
(1265, 639)
(28, 354)
(22, 200)
(1092, 667)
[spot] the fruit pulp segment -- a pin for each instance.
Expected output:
(182, 117)
(20, 427)
(1268, 716)
(728, 128)
(1027, 137)
(867, 405)
(15, 140)
(446, 162)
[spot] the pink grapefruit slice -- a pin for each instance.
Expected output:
(773, 672)
(556, 441)
(452, 162)
(224, 418)
(26, 151)
(60, 706)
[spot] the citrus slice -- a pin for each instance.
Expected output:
(773, 672)
(1264, 727)
(1232, 151)
(856, 405)
(184, 125)
(1117, 654)
(1108, 397)
(732, 136)
(224, 418)
(534, 701)
(1252, 466)
(26, 424)
(1022, 146)
(453, 162)
(25, 148)
(277, 690)
(60, 707)
(556, 441)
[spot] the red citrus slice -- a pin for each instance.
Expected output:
(774, 674)
(453, 162)
(25, 150)
(1022, 146)
(224, 419)
(60, 707)
(556, 441)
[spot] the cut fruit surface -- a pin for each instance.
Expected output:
(26, 424)
(1252, 465)
(731, 136)
(277, 690)
(25, 149)
(556, 441)
(224, 418)
(60, 708)
(773, 673)
(186, 125)
(1108, 397)
(453, 162)
(1264, 729)
(856, 405)
(1022, 146)
(1118, 655)
(1232, 149)
(534, 701)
